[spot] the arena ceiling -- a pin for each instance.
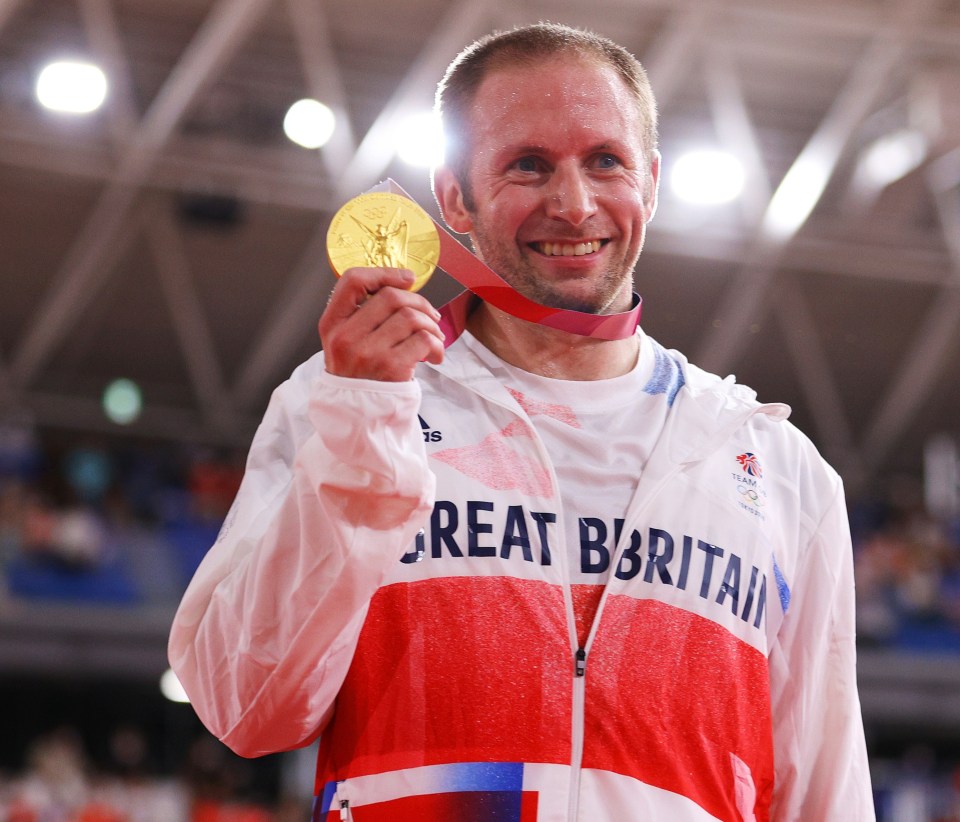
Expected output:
(176, 237)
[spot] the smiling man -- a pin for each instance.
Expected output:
(561, 213)
(515, 573)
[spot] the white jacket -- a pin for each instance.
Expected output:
(392, 574)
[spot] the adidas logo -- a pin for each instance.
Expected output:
(429, 435)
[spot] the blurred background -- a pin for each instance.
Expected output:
(168, 170)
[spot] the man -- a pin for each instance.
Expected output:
(536, 575)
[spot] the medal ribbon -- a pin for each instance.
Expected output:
(475, 275)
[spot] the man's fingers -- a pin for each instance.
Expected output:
(405, 321)
(356, 284)
(419, 347)
(392, 308)
(374, 310)
(391, 353)
(374, 328)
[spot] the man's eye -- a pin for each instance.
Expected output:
(607, 161)
(527, 164)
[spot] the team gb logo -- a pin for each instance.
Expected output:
(750, 464)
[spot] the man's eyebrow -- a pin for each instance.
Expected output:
(524, 148)
(611, 145)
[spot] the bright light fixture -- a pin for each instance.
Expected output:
(309, 123)
(796, 196)
(171, 688)
(71, 86)
(122, 401)
(893, 156)
(420, 140)
(707, 177)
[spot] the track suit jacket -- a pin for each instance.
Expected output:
(393, 577)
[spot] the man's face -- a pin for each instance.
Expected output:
(561, 186)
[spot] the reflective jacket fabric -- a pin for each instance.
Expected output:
(393, 577)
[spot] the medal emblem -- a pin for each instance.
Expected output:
(383, 230)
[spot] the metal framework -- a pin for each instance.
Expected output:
(797, 89)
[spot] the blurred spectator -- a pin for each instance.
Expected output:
(13, 503)
(77, 539)
(54, 786)
(122, 525)
(907, 567)
(88, 473)
(60, 784)
(918, 787)
(20, 453)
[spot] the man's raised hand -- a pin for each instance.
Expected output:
(373, 328)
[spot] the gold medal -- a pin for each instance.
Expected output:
(382, 230)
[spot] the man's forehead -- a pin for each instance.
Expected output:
(587, 95)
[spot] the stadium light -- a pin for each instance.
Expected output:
(71, 86)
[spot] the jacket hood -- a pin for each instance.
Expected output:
(714, 408)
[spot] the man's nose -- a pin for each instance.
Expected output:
(570, 196)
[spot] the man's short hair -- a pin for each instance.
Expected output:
(529, 45)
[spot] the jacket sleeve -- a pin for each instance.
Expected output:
(822, 772)
(336, 488)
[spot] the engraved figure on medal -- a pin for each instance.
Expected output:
(386, 247)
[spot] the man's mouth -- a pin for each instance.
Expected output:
(553, 249)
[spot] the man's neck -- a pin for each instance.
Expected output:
(549, 352)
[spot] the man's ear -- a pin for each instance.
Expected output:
(653, 183)
(449, 194)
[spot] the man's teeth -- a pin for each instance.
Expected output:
(569, 249)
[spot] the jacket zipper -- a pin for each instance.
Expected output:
(579, 655)
(344, 810)
(579, 706)
(580, 662)
(577, 717)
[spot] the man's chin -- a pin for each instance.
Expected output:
(576, 305)
(589, 304)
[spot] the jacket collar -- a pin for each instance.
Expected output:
(707, 409)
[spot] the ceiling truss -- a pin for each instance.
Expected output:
(150, 157)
